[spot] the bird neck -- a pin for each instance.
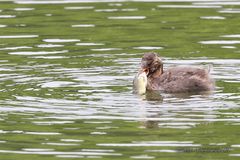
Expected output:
(158, 72)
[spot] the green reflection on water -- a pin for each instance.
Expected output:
(27, 124)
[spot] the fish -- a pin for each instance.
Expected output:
(140, 83)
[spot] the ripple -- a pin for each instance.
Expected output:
(79, 7)
(21, 25)
(60, 40)
(42, 133)
(16, 48)
(49, 57)
(60, 144)
(61, 1)
(152, 144)
(24, 9)
(70, 156)
(83, 25)
(127, 17)
(56, 84)
(236, 145)
(89, 44)
(4, 61)
(228, 47)
(106, 127)
(49, 45)
(217, 3)
(19, 36)
(98, 133)
(98, 122)
(163, 151)
(147, 48)
(115, 4)
(189, 6)
(28, 132)
(199, 61)
(116, 10)
(231, 36)
(107, 10)
(107, 105)
(106, 49)
(72, 140)
(142, 157)
(71, 128)
(52, 122)
(218, 144)
(234, 155)
(3, 26)
(14, 132)
(220, 42)
(179, 125)
(7, 16)
(37, 52)
(132, 118)
(98, 150)
(229, 10)
(129, 9)
(213, 17)
(37, 149)
(60, 153)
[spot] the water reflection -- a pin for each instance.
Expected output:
(117, 10)
(16, 48)
(213, 17)
(115, 4)
(49, 45)
(7, 16)
(153, 96)
(83, 25)
(60, 40)
(190, 6)
(37, 52)
(89, 44)
(68, 94)
(218, 3)
(106, 10)
(58, 153)
(24, 9)
(18, 36)
(221, 42)
(79, 7)
(153, 143)
(127, 17)
(106, 49)
(231, 36)
(148, 48)
(3, 26)
(229, 10)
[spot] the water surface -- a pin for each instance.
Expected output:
(66, 72)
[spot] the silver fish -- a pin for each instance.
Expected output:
(140, 83)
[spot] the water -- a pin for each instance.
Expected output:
(66, 72)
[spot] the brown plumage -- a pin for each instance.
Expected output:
(176, 79)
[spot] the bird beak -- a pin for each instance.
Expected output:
(146, 71)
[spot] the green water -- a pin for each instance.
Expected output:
(66, 74)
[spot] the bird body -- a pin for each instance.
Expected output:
(180, 79)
